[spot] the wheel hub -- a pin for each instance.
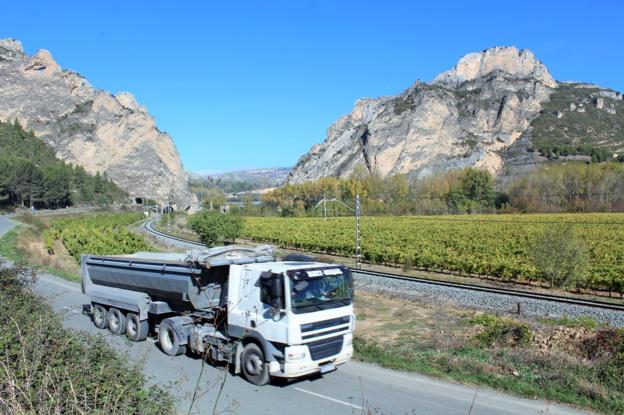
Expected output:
(167, 340)
(254, 364)
(131, 327)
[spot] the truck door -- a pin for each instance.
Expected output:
(251, 314)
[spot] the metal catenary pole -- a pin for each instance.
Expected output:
(357, 233)
(324, 207)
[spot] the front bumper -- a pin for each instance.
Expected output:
(307, 366)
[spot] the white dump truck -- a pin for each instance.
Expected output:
(232, 304)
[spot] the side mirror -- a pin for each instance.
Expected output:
(273, 285)
(277, 288)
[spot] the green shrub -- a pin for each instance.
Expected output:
(47, 369)
(561, 257)
(486, 320)
(213, 226)
(502, 331)
(49, 238)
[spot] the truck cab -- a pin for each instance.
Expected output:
(239, 305)
(301, 313)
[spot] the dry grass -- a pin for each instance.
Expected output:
(566, 360)
(398, 321)
(30, 243)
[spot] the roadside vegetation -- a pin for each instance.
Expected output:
(31, 175)
(577, 362)
(54, 243)
(47, 369)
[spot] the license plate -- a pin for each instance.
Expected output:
(327, 367)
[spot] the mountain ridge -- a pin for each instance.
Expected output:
(467, 116)
(90, 127)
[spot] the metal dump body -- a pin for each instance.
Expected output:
(194, 281)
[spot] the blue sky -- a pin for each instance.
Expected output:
(255, 84)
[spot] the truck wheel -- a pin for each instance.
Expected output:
(253, 365)
(136, 330)
(169, 341)
(116, 321)
(99, 316)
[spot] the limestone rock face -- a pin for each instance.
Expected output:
(466, 117)
(486, 112)
(90, 127)
(514, 62)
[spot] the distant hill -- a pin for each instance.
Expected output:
(499, 110)
(31, 175)
(257, 178)
(243, 180)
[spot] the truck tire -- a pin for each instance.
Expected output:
(169, 341)
(136, 330)
(116, 321)
(253, 365)
(99, 316)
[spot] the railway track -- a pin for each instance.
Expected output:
(519, 298)
(501, 291)
(148, 226)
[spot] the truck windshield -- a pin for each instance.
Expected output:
(312, 290)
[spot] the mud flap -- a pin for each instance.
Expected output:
(237, 358)
(87, 310)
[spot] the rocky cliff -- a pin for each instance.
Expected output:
(90, 127)
(484, 112)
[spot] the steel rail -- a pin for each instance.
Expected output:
(147, 225)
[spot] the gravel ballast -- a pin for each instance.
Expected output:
(528, 307)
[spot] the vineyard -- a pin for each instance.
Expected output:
(102, 234)
(486, 245)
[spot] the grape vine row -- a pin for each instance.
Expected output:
(497, 246)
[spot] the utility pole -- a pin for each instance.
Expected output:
(357, 233)
(324, 207)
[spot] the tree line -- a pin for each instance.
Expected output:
(569, 187)
(31, 175)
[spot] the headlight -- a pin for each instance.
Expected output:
(292, 356)
(294, 353)
(348, 341)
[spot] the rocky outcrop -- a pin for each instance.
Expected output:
(478, 114)
(511, 61)
(90, 127)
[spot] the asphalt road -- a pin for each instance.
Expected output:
(355, 388)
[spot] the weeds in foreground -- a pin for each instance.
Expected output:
(46, 369)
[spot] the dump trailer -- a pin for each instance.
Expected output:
(233, 304)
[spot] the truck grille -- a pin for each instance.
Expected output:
(324, 324)
(325, 348)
